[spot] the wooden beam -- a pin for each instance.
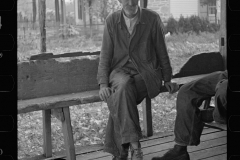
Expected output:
(223, 33)
(47, 140)
(147, 117)
(42, 17)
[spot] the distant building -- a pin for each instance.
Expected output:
(162, 7)
(186, 8)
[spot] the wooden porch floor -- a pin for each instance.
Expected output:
(213, 146)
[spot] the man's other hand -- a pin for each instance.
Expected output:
(104, 93)
(171, 87)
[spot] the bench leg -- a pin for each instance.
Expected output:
(147, 117)
(47, 141)
(68, 135)
(207, 103)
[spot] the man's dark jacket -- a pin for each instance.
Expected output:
(146, 49)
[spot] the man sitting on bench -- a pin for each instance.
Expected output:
(190, 120)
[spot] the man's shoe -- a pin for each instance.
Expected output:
(124, 154)
(174, 154)
(136, 154)
(207, 115)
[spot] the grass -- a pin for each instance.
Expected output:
(89, 121)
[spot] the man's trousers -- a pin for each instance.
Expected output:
(188, 123)
(128, 90)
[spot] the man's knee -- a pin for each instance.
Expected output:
(183, 98)
(221, 92)
(125, 84)
(183, 92)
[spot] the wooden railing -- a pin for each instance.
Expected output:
(53, 83)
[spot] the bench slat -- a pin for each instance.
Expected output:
(188, 79)
(66, 100)
(58, 101)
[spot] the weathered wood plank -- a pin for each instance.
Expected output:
(217, 125)
(43, 78)
(209, 152)
(195, 152)
(205, 142)
(147, 117)
(218, 157)
(157, 145)
(47, 138)
(160, 137)
(68, 136)
(47, 56)
(185, 80)
(58, 101)
(204, 150)
(57, 76)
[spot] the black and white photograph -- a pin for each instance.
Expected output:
(121, 79)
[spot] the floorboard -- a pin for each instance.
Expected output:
(213, 146)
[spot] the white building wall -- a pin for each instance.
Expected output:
(184, 7)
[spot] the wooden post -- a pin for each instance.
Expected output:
(68, 135)
(223, 33)
(47, 140)
(146, 103)
(147, 117)
(42, 17)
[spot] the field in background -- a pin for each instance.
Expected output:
(89, 121)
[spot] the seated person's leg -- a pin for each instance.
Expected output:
(220, 111)
(123, 125)
(188, 123)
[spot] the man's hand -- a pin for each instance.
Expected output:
(171, 87)
(104, 93)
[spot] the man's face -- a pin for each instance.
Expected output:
(130, 7)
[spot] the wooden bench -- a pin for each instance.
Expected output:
(53, 83)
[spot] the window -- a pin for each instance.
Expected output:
(212, 10)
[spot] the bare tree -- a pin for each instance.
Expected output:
(42, 17)
(34, 12)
